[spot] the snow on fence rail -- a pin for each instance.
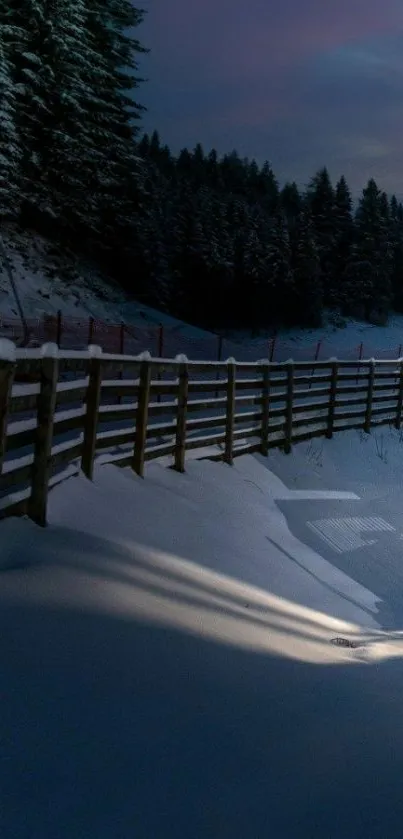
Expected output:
(62, 410)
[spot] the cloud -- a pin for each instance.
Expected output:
(299, 83)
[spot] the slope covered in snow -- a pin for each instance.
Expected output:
(178, 661)
(49, 279)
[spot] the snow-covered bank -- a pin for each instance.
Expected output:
(170, 666)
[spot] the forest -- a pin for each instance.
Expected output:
(213, 239)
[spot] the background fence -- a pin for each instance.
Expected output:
(166, 342)
(60, 411)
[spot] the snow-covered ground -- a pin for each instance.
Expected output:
(180, 658)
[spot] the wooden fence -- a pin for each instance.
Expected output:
(60, 411)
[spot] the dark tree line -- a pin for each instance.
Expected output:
(220, 242)
(213, 240)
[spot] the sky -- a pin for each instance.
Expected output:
(301, 83)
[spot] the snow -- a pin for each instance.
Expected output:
(7, 350)
(168, 645)
(177, 660)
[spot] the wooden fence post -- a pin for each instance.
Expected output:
(398, 420)
(140, 437)
(7, 367)
(360, 355)
(92, 412)
(230, 412)
(59, 328)
(289, 407)
(183, 387)
(265, 408)
(46, 406)
(121, 352)
(219, 358)
(332, 398)
(370, 395)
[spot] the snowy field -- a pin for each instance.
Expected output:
(186, 656)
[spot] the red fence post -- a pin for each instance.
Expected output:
(59, 327)
(161, 341)
(122, 339)
(316, 357)
(90, 330)
(160, 352)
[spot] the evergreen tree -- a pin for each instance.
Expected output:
(281, 273)
(343, 243)
(396, 233)
(371, 261)
(307, 274)
(10, 152)
(322, 206)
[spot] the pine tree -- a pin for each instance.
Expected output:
(371, 261)
(307, 274)
(343, 243)
(268, 189)
(396, 232)
(10, 151)
(281, 273)
(322, 206)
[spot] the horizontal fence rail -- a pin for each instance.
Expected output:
(61, 411)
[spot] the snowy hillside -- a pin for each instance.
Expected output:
(197, 655)
(50, 280)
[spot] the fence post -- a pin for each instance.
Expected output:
(398, 420)
(230, 412)
(332, 398)
(46, 405)
(360, 354)
(370, 395)
(91, 323)
(7, 367)
(121, 352)
(289, 407)
(181, 415)
(315, 358)
(265, 407)
(160, 341)
(91, 417)
(273, 347)
(59, 327)
(219, 358)
(140, 437)
(122, 339)
(160, 352)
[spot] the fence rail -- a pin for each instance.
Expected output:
(62, 410)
